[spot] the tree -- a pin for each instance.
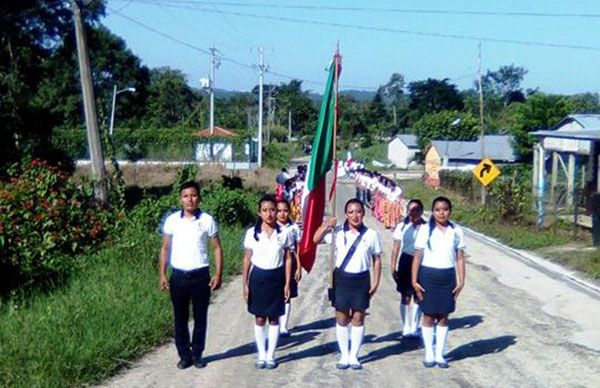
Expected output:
(432, 96)
(540, 111)
(30, 32)
(505, 82)
(170, 100)
(393, 90)
(446, 125)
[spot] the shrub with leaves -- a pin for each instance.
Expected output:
(45, 218)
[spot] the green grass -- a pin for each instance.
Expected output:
(110, 313)
(375, 152)
(521, 235)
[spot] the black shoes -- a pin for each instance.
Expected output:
(184, 364)
(199, 362)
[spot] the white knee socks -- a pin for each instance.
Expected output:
(406, 319)
(343, 337)
(415, 318)
(284, 319)
(273, 337)
(356, 334)
(260, 336)
(441, 335)
(427, 333)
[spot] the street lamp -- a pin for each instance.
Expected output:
(114, 101)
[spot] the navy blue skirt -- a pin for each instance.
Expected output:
(267, 298)
(404, 281)
(438, 285)
(351, 290)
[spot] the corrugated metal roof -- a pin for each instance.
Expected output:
(587, 121)
(409, 139)
(496, 147)
(582, 134)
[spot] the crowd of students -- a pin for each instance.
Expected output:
(427, 264)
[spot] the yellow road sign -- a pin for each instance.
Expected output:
(486, 172)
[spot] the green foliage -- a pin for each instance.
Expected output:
(446, 125)
(431, 95)
(230, 207)
(510, 194)
(375, 152)
(278, 155)
(45, 218)
(279, 133)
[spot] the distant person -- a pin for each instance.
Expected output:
(401, 264)
(186, 233)
(266, 276)
(282, 176)
(284, 221)
(356, 247)
(438, 277)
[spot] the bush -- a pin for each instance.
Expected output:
(230, 207)
(45, 218)
(278, 155)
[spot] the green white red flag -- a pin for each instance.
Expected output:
(320, 163)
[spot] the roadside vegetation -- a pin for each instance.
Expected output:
(102, 307)
(514, 223)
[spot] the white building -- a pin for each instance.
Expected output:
(402, 150)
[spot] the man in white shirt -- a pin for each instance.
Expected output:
(185, 236)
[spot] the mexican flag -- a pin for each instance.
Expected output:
(320, 162)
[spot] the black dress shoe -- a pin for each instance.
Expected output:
(184, 364)
(199, 363)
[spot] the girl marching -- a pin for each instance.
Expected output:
(266, 278)
(438, 275)
(356, 246)
(284, 221)
(404, 246)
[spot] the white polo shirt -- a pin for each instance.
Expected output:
(368, 246)
(268, 252)
(294, 232)
(444, 246)
(188, 239)
(406, 234)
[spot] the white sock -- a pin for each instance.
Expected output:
(260, 336)
(356, 334)
(283, 320)
(405, 314)
(273, 337)
(441, 335)
(343, 337)
(415, 317)
(427, 333)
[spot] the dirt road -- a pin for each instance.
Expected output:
(514, 326)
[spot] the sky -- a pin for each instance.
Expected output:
(560, 40)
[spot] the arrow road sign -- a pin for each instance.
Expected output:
(486, 171)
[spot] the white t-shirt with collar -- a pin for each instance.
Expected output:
(268, 251)
(406, 234)
(368, 246)
(294, 232)
(189, 238)
(443, 245)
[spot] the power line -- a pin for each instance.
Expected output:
(389, 29)
(386, 10)
(225, 59)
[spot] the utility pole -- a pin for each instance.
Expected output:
(261, 74)
(89, 106)
(289, 125)
(270, 113)
(481, 136)
(214, 63)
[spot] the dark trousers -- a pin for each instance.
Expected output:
(186, 287)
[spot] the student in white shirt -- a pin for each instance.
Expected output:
(352, 280)
(184, 247)
(266, 275)
(438, 276)
(285, 222)
(401, 264)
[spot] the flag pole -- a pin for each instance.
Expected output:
(336, 59)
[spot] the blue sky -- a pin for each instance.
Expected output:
(370, 54)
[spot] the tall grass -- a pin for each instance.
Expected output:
(110, 313)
